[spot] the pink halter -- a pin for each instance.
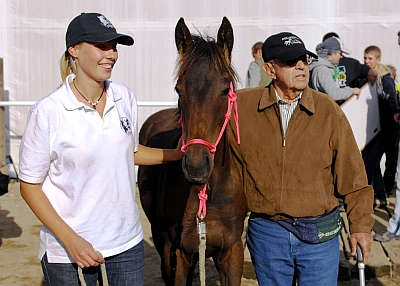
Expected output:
(202, 189)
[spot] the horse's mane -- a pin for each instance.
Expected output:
(205, 48)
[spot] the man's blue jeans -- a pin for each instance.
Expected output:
(279, 258)
(126, 268)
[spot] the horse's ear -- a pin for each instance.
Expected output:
(225, 38)
(183, 38)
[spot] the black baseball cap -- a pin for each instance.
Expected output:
(284, 46)
(93, 28)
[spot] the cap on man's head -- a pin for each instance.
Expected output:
(93, 28)
(331, 46)
(284, 46)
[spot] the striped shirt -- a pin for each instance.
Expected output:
(286, 109)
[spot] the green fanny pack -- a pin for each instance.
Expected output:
(315, 229)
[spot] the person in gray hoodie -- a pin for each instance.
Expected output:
(324, 74)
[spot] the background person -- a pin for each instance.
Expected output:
(385, 140)
(324, 73)
(398, 39)
(350, 71)
(392, 150)
(393, 229)
(393, 74)
(77, 159)
(256, 75)
(297, 153)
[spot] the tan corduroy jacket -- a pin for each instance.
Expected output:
(303, 174)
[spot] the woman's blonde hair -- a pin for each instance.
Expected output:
(67, 66)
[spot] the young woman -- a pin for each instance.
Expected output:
(77, 160)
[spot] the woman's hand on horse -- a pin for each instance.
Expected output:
(146, 156)
(178, 150)
(83, 253)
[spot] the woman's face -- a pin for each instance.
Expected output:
(95, 60)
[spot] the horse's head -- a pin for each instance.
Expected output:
(204, 77)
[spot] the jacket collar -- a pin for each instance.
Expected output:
(382, 70)
(268, 98)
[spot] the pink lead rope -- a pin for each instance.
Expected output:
(202, 189)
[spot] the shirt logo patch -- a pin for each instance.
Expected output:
(341, 76)
(105, 22)
(125, 125)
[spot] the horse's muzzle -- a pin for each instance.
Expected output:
(197, 167)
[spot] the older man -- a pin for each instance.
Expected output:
(297, 155)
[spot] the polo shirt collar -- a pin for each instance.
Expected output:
(69, 100)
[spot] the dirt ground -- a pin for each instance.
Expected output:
(19, 242)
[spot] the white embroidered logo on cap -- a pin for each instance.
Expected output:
(104, 21)
(291, 40)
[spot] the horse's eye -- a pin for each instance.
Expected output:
(225, 91)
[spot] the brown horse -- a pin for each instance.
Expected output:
(169, 193)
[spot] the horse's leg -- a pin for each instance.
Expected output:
(160, 247)
(190, 275)
(230, 265)
(184, 264)
(176, 267)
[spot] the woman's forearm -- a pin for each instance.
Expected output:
(44, 211)
(153, 156)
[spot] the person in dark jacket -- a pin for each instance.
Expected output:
(351, 72)
(385, 140)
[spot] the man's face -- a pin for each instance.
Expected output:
(371, 60)
(335, 58)
(257, 55)
(289, 76)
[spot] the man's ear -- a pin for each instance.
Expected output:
(259, 53)
(270, 70)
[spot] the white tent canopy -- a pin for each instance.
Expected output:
(32, 40)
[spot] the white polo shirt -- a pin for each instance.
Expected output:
(86, 165)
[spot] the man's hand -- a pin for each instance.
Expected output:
(396, 117)
(365, 241)
(356, 91)
(372, 75)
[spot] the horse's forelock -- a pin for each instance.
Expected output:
(205, 48)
